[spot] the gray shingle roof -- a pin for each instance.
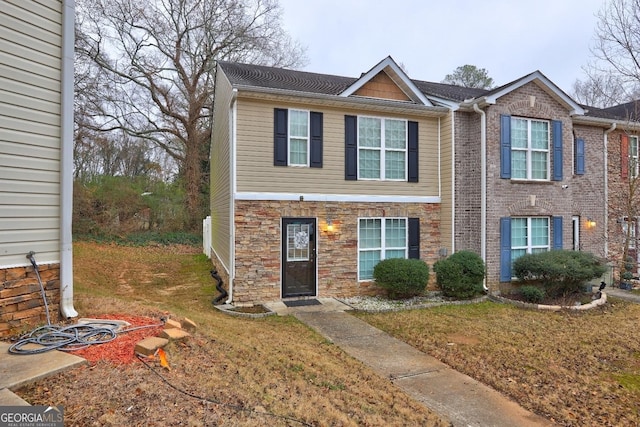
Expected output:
(281, 78)
(302, 81)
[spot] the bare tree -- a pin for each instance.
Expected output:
(469, 76)
(613, 76)
(156, 60)
(599, 90)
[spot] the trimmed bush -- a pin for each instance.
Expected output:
(559, 272)
(532, 294)
(402, 278)
(460, 275)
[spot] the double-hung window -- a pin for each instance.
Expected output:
(529, 149)
(529, 236)
(298, 138)
(378, 239)
(633, 156)
(382, 149)
(630, 231)
(526, 235)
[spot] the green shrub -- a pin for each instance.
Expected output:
(402, 278)
(532, 293)
(559, 272)
(460, 275)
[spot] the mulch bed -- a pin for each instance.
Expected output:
(120, 351)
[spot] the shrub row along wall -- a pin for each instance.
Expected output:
(21, 303)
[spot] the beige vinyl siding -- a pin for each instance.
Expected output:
(446, 167)
(30, 119)
(221, 183)
(256, 172)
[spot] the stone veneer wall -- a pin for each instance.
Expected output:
(21, 304)
(258, 244)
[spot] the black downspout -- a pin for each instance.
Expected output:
(223, 293)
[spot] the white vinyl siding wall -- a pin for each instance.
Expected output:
(30, 135)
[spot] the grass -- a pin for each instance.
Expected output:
(577, 369)
(250, 366)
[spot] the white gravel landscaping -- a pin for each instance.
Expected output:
(381, 304)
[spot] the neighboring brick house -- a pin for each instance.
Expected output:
(622, 130)
(529, 174)
(502, 172)
(36, 161)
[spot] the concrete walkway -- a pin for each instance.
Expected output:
(459, 398)
(19, 370)
(622, 294)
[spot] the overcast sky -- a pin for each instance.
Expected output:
(509, 38)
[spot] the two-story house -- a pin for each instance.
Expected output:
(316, 178)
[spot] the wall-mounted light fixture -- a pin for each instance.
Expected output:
(329, 225)
(590, 223)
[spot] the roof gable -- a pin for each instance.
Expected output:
(543, 82)
(381, 86)
(393, 73)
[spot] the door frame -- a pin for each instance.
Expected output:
(283, 254)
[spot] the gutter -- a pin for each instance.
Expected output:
(483, 189)
(233, 111)
(353, 102)
(606, 189)
(66, 162)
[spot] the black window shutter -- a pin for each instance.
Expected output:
(505, 146)
(579, 149)
(412, 153)
(316, 140)
(557, 150)
(280, 133)
(350, 148)
(414, 238)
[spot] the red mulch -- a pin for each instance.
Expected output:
(121, 350)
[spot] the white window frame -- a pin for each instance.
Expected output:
(634, 231)
(530, 247)
(383, 249)
(575, 224)
(634, 168)
(307, 137)
(383, 149)
(529, 150)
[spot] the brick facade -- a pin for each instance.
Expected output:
(575, 195)
(258, 244)
(623, 200)
(21, 303)
(467, 182)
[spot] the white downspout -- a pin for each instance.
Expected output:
(66, 162)
(483, 188)
(606, 190)
(233, 111)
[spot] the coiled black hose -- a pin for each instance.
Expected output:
(223, 293)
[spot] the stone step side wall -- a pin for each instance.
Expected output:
(21, 304)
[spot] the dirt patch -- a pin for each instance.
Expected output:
(462, 339)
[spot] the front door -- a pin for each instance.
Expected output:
(298, 257)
